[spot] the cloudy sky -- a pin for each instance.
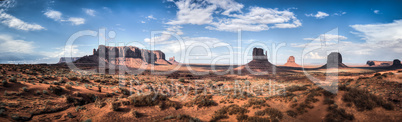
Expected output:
(204, 31)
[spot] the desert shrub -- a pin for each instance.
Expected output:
(231, 109)
(182, 117)
(45, 92)
(78, 108)
(291, 113)
(55, 90)
(25, 89)
(338, 115)
(135, 113)
(258, 119)
(56, 83)
(68, 86)
(99, 103)
(201, 101)
(88, 120)
(241, 117)
(328, 101)
(115, 106)
(327, 93)
(17, 117)
(167, 104)
(182, 80)
(147, 100)
(69, 99)
(296, 88)
(73, 78)
(274, 114)
(5, 83)
(256, 101)
(363, 100)
(83, 80)
(62, 80)
(6, 93)
(86, 86)
(13, 80)
(377, 74)
(2, 112)
(37, 92)
(124, 91)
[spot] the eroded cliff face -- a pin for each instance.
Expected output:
(124, 55)
(110, 53)
(334, 60)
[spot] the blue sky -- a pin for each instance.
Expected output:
(37, 31)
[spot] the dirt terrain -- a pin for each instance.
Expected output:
(56, 93)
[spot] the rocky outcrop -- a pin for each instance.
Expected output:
(259, 64)
(172, 60)
(396, 63)
(379, 63)
(125, 55)
(334, 60)
(258, 54)
(291, 62)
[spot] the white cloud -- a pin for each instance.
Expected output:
(76, 21)
(52, 14)
(90, 12)
(66, 51)
(13, 22)
(328, 37)
(339, 13)
(193, 12)
(228, 6)
(376, 11)
(142, 21)
(386, 33)
(165, 35)
(257, 19)
(58, 16)
(11, 45)
(382, 41)
(315, 55)
(319, 15)
(175, 47)
(151, 17)
(107, 9)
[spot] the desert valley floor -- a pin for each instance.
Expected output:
(56, 93)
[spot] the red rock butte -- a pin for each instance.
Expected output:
(334, 60)
(291, 62)
(259, 63)
(172, 60)
(396, 64)
(129, 56)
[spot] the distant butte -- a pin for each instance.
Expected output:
(334, 60)
(291, 62)
(259, 63)
(129, 56)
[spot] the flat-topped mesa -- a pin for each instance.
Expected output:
(334, 60)
(129, 56)
(258, 54)
(379, 63)
(148, 56)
